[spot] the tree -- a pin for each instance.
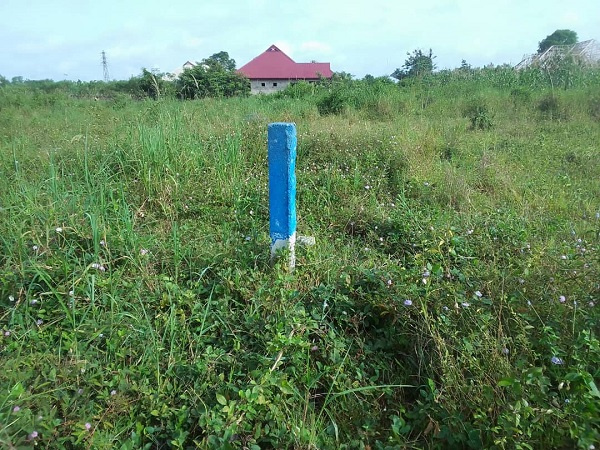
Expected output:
(214, 76)
(220, 59)
(559, 37)
(418, 64)
(342, 76)
(152, 84)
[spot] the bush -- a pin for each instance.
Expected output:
(299, 90)
(551, 108)
(520, 97)
(333, 103)
(479, 115)
(594, 107)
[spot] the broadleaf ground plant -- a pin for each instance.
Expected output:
(450, 301)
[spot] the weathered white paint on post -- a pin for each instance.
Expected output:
(282, 188)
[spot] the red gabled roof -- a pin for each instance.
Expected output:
(276, 65)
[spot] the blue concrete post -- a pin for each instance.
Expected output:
(282, 188)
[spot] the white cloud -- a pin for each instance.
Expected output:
(571, 18)
(362, 36)
(316, 47)
(192, 42)
(284, 46)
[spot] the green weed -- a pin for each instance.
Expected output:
(450, 301)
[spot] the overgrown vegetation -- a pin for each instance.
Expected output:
(451, 300)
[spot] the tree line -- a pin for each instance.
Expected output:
(216, 76)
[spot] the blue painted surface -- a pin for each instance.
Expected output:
(282, 180)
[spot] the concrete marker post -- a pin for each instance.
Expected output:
(282, 188)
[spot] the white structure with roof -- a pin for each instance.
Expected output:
(586, 53)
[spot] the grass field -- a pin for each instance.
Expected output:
(451, 299)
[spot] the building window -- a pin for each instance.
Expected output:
(263, 84)
(274, 84)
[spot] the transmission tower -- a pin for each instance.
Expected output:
(105, 67)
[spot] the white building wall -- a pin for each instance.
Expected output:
(267, 86)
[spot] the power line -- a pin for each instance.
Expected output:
(105, 67)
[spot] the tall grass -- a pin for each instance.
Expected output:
(450, 301)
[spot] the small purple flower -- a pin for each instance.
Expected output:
(102, 243)
(113, 392)
(11, 298)
(35, 248)
(426, 273)
(408, 302)
(528, 302)
(143, 251)
(59, 229)
(556, 360)
(39, 322)
(88, 426)
(80, 391)
(562, 299)
(16, 409)
(34, 301)
(465, 304)
(7, 333)
(388, 282)
(33, 435)
(505, 351)
(478, 294)
(591, 304)
(445, 308)
(563, 257)
(314, 348)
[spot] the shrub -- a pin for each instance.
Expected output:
(332, 103)
(520, 97)
(594, 107)
(299, 90)
(479, 114)
(550, 107)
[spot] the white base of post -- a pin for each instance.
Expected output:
(289, 244)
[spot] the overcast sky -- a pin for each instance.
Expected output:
(63, 39)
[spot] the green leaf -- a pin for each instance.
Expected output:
(221, 399)
(506, 382)
(593, 388)
(285, 387)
